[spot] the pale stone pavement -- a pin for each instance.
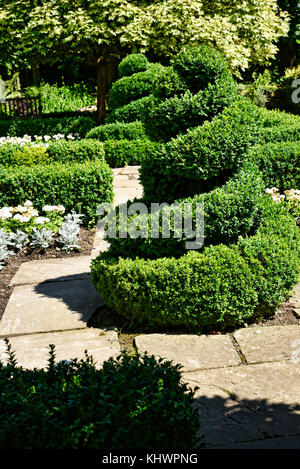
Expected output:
(249, 381)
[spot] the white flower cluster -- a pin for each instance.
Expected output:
(41, 238)
(291, 194)
(38, 140)
(25, 213)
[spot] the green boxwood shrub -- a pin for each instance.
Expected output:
(46, 126)
(131, 64)
(221, 287)
(229, 212)
(134, 87)
(167, 84)
(134, 111)
(76, 151)
(279, 164)
(76, 186)
(60, 151)
(281, 133)
(74, 405)
(167, 118)
(199, 66)
(202, 158)
(120, 153)
(118, 131)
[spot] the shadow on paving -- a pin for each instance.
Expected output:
(76, 293)
(227, 422)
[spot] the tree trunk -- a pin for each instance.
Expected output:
(101, 91)
(36, 75)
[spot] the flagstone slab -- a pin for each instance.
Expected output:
(50, 307)
(33, 350)
(267, 344)
(51, 270)
(248, 402)
(193, 352)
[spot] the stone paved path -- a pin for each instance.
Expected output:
(249, 381)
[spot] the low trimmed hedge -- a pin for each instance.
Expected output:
(46, 126)
(134, 111)
(131, 88)
(279, 164)
(167, 118)
(61, 151)
(219, 288)
(74, 405)
(131, 64)
(76, 151)
(281, 133)
(118, 131)
(120, 153)
(76, 186)
(202, 158)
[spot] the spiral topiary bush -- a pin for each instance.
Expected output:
(251, 254)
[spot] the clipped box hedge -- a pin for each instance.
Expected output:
(46, 126)
(76, 186)
(131, 64)
(118, 131)
(167, 118)
(279, 164)
(219, 288)
(230, 211)
(131, 88)
(134, 111)
(61, 151)
(120, 153)
(202, 158)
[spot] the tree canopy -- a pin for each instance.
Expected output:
(39, 31)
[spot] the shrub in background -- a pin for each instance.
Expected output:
(136, 86)
(80, 187)
(120, 153)
(76, 151)
(168, 83)
(118, 131)
(134, 111)
(74, 405)
(46, 126)
(199, 66)
(131, 64)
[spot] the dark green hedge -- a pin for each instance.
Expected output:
(279, 164)
(74, 405)
(118, 131)
(79, 187)
(46, 126)
(134, 87)
(202, 158)
(167, 118)
(224, 286)
(230, 211)
(134, 111)
(199, 66)
(131, 64)
(120, 153)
